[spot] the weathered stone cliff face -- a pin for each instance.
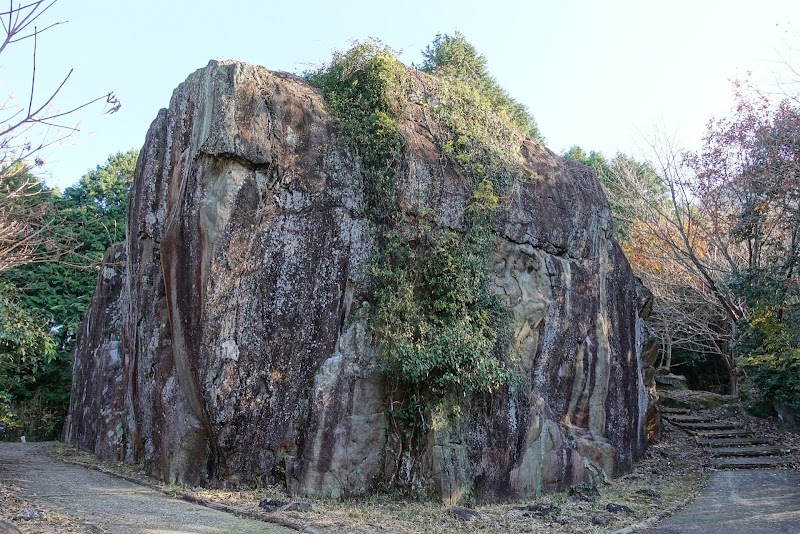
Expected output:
(97, 407)
(236, 343)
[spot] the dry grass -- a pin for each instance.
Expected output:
(665, 477)
(671, 470)
(12, 504)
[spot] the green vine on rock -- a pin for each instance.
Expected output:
(363, 88)
(482, 141)
(440, 325)
(441, 331)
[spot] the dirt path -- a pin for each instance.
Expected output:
(111, 504)
(751, 502)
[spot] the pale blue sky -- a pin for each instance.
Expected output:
(597, 74)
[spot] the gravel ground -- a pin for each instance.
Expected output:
(91, 501)
(42, 518)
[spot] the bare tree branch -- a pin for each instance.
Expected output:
(26, 216)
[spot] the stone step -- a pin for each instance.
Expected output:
(708, 426)
(747, 463)
(705, 434)
(769, 450)
(731, 442)
(668, 410)
(678, 419)
(675, 381)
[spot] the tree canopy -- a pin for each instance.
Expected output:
(49, 298)
(715, 234)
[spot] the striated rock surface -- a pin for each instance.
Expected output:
(648, 357)
(236, 344)
(97, 407)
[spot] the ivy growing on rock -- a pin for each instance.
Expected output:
(363, 90)
(440, 329)
(453, 57)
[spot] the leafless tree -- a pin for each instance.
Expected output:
(675, 251)
(722, 233)
(25, 130)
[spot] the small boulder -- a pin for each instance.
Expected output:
(601, 520)
(464, 515)
(271, 505)
(671, 380)
(617, 508)
(29, 515)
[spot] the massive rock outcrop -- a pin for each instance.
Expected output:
(234, 342)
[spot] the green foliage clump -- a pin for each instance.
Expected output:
(440, 325)
(454, 58)
(363, 90)
(770, 358)
(25, 350)
(478, 138)
(440, 330)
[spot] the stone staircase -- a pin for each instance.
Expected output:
(730, 444)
